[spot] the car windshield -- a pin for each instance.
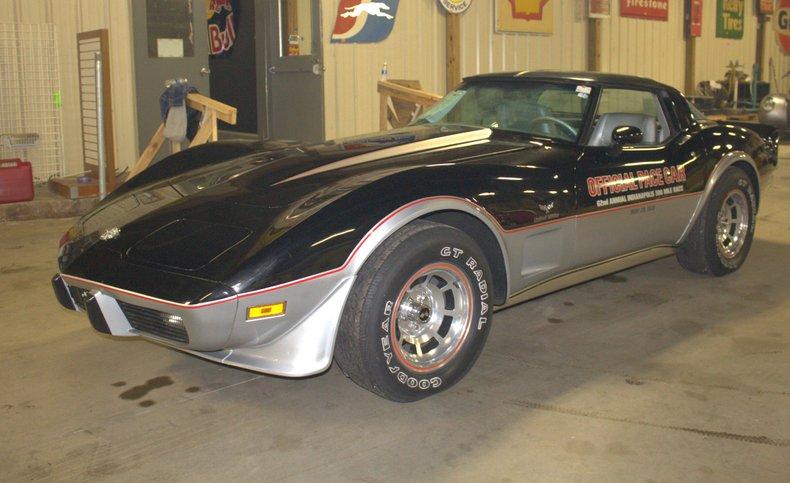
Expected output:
(543, 109)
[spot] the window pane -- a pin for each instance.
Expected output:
(696, 114)
(296, 26)
(169, 28)
(627, 107)
(628, 101)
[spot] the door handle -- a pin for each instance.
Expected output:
(205, 71)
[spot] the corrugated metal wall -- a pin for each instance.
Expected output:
(776, 63)
(483, 50)
(414, 50)
(647, 48)
(71, 17)
(714, 54)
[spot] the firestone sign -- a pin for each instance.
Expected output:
(781, 24)
(647, 9)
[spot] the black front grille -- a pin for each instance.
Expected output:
(154, 322)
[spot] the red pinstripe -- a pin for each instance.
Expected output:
(362, 242)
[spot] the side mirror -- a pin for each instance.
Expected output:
(626, 135)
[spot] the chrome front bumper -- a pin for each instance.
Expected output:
(298, 343)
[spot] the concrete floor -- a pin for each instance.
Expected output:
(652, 374)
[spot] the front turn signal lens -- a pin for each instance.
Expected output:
(263, 311)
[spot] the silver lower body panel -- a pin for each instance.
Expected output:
(296, 344)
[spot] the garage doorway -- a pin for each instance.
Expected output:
(273, 73)
(232, 63)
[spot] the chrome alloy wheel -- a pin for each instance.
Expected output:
(432, 317)
(732, 224)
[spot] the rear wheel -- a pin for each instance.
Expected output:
(418, 314)
(721, 237)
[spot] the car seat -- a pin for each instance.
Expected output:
(607, 123)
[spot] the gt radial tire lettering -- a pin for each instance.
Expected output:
(752, 198)
(482, 285)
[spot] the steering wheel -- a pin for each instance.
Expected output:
(570, 129)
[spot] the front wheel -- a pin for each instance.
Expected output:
(418, 314)
(721, 237)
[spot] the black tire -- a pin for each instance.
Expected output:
(701, 251)
(368, 349)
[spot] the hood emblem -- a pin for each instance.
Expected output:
(547, 207)
(110, 233)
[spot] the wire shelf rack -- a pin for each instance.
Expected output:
(30, 121)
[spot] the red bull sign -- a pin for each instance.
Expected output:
(221, 17)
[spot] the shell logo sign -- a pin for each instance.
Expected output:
(781, 23)
(528, 9)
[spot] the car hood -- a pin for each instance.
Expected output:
(233, 209)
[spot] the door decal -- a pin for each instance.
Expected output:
(648, 183)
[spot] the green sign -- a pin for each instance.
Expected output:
(729, 18)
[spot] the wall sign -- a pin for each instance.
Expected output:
(693, 18)
(455, 6)
(599, 8)
(525, 16)
(222, 16)
(765, 7)
(729, 18)
(361, 22)
(646, 9)
(781, 24)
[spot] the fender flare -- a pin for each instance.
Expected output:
(418, 209)
(722, 165)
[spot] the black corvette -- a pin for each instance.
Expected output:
(389, 252)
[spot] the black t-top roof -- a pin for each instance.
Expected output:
(573, 76)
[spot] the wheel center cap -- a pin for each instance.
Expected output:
(425, 314)
(415, 313)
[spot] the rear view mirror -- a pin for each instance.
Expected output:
(625, 135)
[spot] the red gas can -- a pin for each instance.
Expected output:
(16, 180)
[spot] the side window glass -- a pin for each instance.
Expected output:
(627, 107)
